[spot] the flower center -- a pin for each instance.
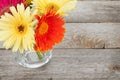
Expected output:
(52, 6)
(43, 28)
(21, 28)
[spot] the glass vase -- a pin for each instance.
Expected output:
(30, 59)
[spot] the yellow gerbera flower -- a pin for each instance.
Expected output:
(61, 6)
(16, 29)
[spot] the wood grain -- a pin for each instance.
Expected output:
(93, 24)
(66, 64)
(95, 11)
(91, 35)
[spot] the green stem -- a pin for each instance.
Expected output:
(40, 55)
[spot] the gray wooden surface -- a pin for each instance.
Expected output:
(66, 64)
(91, 35)
(93, 24)
(95, 12)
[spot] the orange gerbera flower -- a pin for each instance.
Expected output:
(49, 31)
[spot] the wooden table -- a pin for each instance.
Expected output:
(66, 64)
(94, 25)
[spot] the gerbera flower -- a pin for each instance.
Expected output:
(16, 30)
(61, 6)
(6, 4)
(49, 31)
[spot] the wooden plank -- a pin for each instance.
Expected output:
(91, 35)
(95, 11)
(66, 64)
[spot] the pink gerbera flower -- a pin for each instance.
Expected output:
(5, 4)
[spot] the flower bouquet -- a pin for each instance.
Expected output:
(31, 28)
